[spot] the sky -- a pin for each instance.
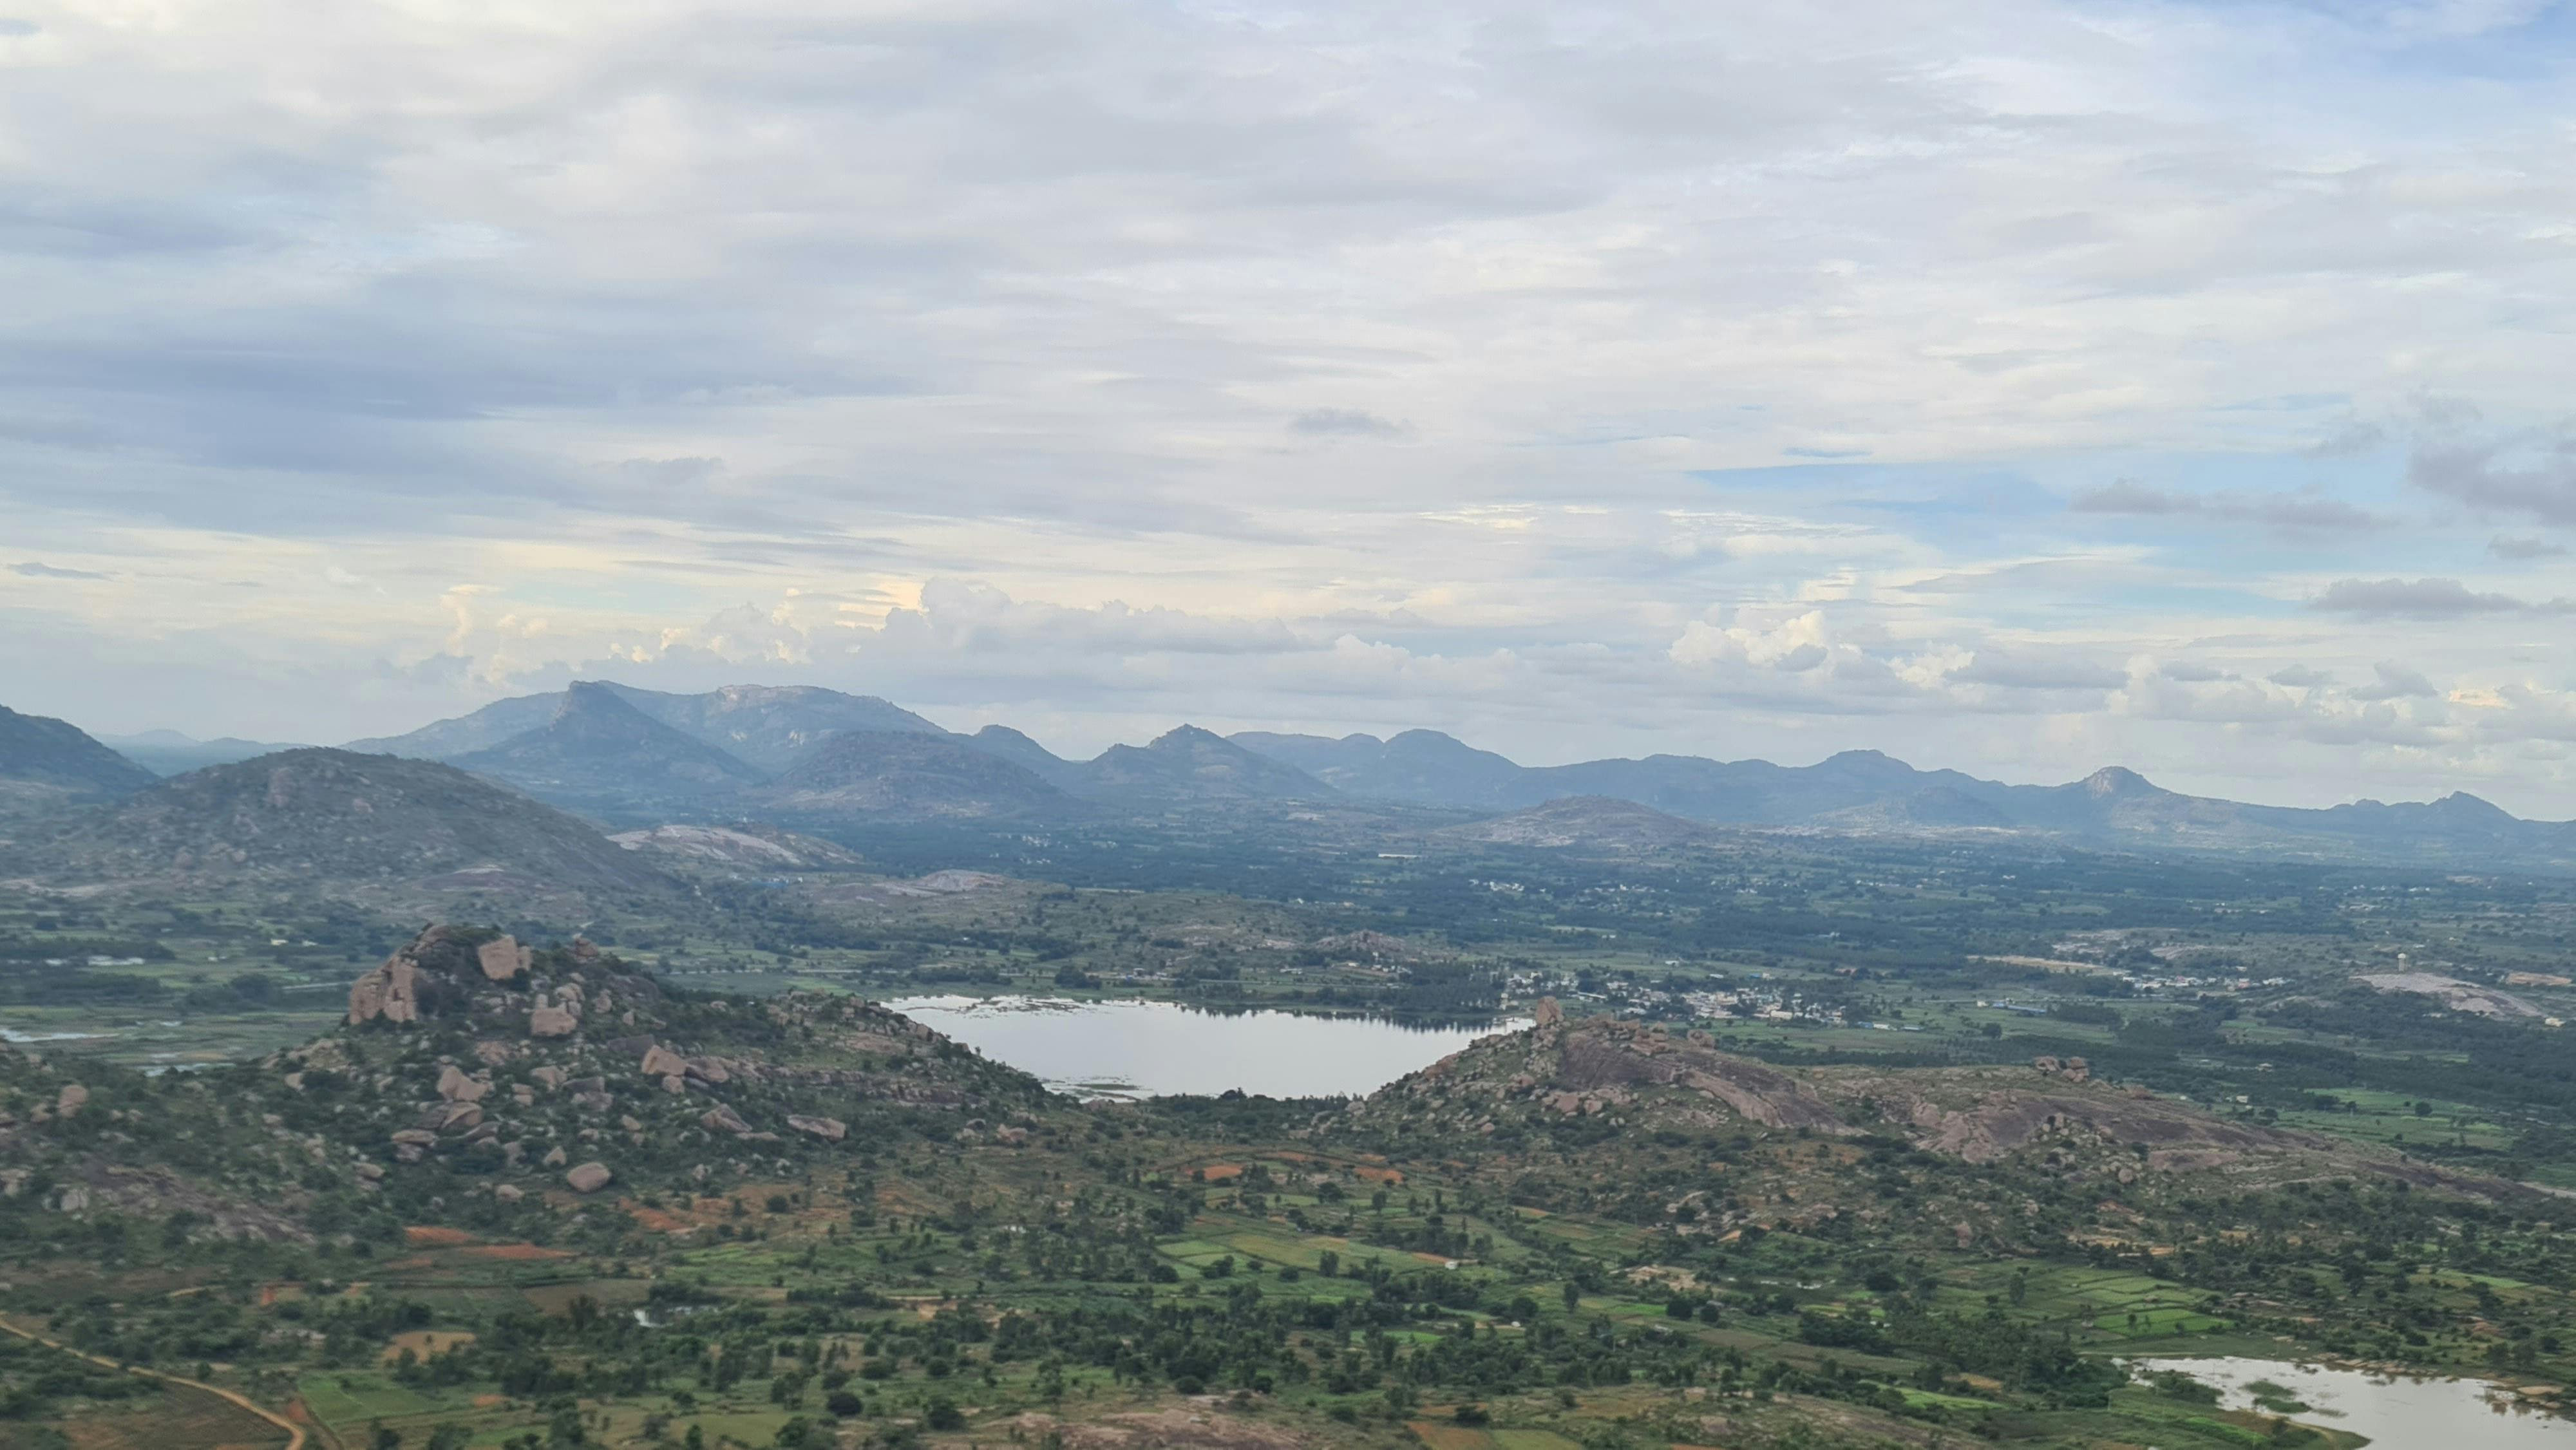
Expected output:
(2009, 386)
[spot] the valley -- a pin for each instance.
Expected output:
(1745, 1136)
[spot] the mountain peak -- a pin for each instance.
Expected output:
(2118, 780)
(2470, 807)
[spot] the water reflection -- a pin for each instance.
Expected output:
(1156, 1049)
(2391, 1411)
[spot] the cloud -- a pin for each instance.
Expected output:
(2192, 672)
(2027, 669)
(2531, 474)
(1344, 423)
(2504, 546)
(2302, 512)
(34, 570)
(2411, 599)
(1184, 360)
(2396, 682)
(2128, 496)
(2301, 677)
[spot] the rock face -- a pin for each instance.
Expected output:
(589, 1177)
(71, 1100)
(390, 992)
(1547, 1013)
(830, 1129)
(660, 1061)
(503, 959)
(552, 1022)
(456, 1087)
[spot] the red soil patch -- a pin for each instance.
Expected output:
(486, 1402)
(656, 1220)
(1219, 1172)
(1380, 1175)
(430, 1236)
(517, 1252)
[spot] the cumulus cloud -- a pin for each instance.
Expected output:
(2396, 682)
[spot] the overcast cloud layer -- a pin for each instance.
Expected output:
(2019, 387)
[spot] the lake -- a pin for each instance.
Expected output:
(1155, 1049)
(2392, 1412)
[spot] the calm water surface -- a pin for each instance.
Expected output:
(2400, 1414)
(1153, 1049)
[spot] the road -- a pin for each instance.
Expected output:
(295, 1437)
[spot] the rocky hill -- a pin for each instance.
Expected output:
(382, 829)
(46, 762)
(601, 755)
(473, 1063)
(1569, 1101)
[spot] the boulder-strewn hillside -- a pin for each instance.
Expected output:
(41, 757)
(600, 754)
(906, 776)
(471, 1063)
(1582, 1093)
(328, 818)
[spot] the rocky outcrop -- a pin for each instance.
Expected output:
(589, 1177)
(391, 992)
(456, 1087)
(829, 1129)
(503, 959)
(549, 1021)
(69, 1102)
(1547, 1013)
(660, 1061)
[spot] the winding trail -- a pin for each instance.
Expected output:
(296, 1438)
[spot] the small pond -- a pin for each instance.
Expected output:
(2393, 1412)
(1155, 1049)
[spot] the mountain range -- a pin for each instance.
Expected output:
(816, 759)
